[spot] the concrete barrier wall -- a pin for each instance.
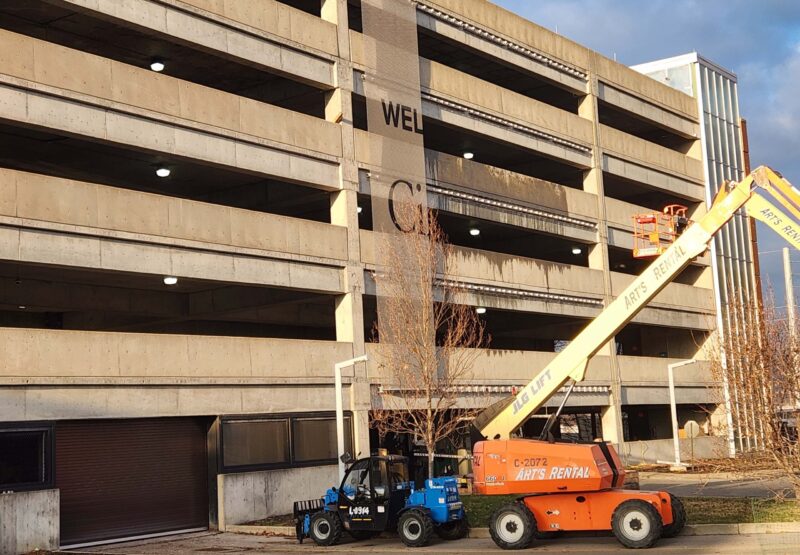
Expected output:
(29, 521)
(518, 29)
(156, 356)
(464, 88)
(510, 271)
(73, 70)
(445, 170)
(705, 447)
(651, 154)
(250, 496)
(39, 197)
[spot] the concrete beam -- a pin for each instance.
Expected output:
(66, 249)
(651, 155)
(680, 124)
(128, 359)
(30, 196)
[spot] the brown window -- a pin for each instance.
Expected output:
(314, 439)
(255, 442)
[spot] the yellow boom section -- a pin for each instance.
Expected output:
(501, 419)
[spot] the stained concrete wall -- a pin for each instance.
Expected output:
(252, 496)
(705, 447)
(520, 30)
(29, 521)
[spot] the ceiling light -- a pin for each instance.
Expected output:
(576, 250)
(469, 155)
(474, 231)
(170, 280)
(359, 209)
(480, 310)
(22, 307)
(163, 172)
(157, 66)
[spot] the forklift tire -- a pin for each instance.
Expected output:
(678, 519)
(636, 524)
(415, 528)
(512, 526)
(455, 530)
(361, 535)
(325, 528)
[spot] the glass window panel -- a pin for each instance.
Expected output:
(255, 442)
(314, 439)
(23, 458)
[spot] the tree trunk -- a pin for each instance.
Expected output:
(430, 462)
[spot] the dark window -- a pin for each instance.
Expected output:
(281, 441)
(255, 442)
(25, 458)
(314, 439)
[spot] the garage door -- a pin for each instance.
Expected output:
(125, 478)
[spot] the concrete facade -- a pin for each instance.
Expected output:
(265, 218)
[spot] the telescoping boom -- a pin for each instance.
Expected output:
(501, 419)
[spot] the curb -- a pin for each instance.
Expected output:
(260, 530)
(483, 533)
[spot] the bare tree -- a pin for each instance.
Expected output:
(763, 377)
(428, 336)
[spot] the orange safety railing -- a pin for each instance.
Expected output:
(653, 233)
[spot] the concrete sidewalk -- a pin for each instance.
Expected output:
(788, 543)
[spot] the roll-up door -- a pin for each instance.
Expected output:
(127, 478)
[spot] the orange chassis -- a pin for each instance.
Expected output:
(566, 486)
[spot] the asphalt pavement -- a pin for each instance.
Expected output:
(232, 544)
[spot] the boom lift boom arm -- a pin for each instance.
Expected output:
(501, 419)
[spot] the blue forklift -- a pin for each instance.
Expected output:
(376, 495)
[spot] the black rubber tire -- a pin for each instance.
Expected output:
(512, 526)
(678, 519)
(361, 535)
(415, 528)
(455, 530)
(642, 515)
(325, 528)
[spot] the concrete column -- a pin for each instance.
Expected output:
(344, 212)
(598, 259)
(609, 416)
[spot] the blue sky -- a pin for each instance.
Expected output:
(759, 41)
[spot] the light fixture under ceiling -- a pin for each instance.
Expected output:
(481, 310)
(474, 231)
(576, 250)
(163, 172)
(22, 307)
(359, 209)
(157, 66)
(170, 280)
(469, 155)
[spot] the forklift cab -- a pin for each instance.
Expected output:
(373, 492)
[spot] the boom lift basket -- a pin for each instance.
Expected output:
(653, 233)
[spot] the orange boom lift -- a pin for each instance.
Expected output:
(570, 487)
